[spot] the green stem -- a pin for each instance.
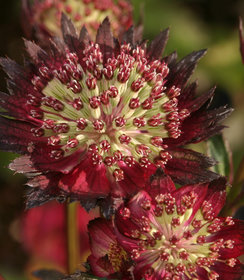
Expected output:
(72, 236)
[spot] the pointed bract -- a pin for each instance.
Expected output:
(157, 46)
(190, 167)
(180, 72)
(105, 39)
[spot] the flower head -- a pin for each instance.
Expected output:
(95, 118)
(176, 234)
(44, 16)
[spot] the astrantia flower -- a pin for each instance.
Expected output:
(98, 118)
(108, 258)
(42, 18)
(176, 234)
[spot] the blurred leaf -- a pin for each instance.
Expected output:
(239, 178)
(218, 149)
(235, 198)
(241, 35)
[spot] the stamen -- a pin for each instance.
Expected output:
(37, 132)
(56, 154)
(118, 174)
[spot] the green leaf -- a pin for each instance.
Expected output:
(218, 148)
(235, 198)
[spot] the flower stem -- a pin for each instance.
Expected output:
(72, 236)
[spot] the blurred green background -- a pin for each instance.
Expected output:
(194, 24)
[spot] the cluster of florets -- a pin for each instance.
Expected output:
(117, 112)
(45, 15)
(174, 234)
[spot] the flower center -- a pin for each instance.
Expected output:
(118, 112)
(174, 245)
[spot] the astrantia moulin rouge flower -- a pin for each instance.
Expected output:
(176, 234)
(42, 18)
(98, 118)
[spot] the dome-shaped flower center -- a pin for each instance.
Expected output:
(118, 111)
(173, 243)
(90, 12)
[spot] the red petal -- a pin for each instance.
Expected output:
(229, 273)
(86, 179)
(100, 266)
(43, 161)
(102, 235)
(235, 233)
(216, 194)
(199, 190)
(135, 175)
(160, 183)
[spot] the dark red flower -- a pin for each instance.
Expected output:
(175, 233)
(108, 258)
(98, 118)
(42, 18)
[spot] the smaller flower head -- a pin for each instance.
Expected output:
(44, 16)
(176, 234)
